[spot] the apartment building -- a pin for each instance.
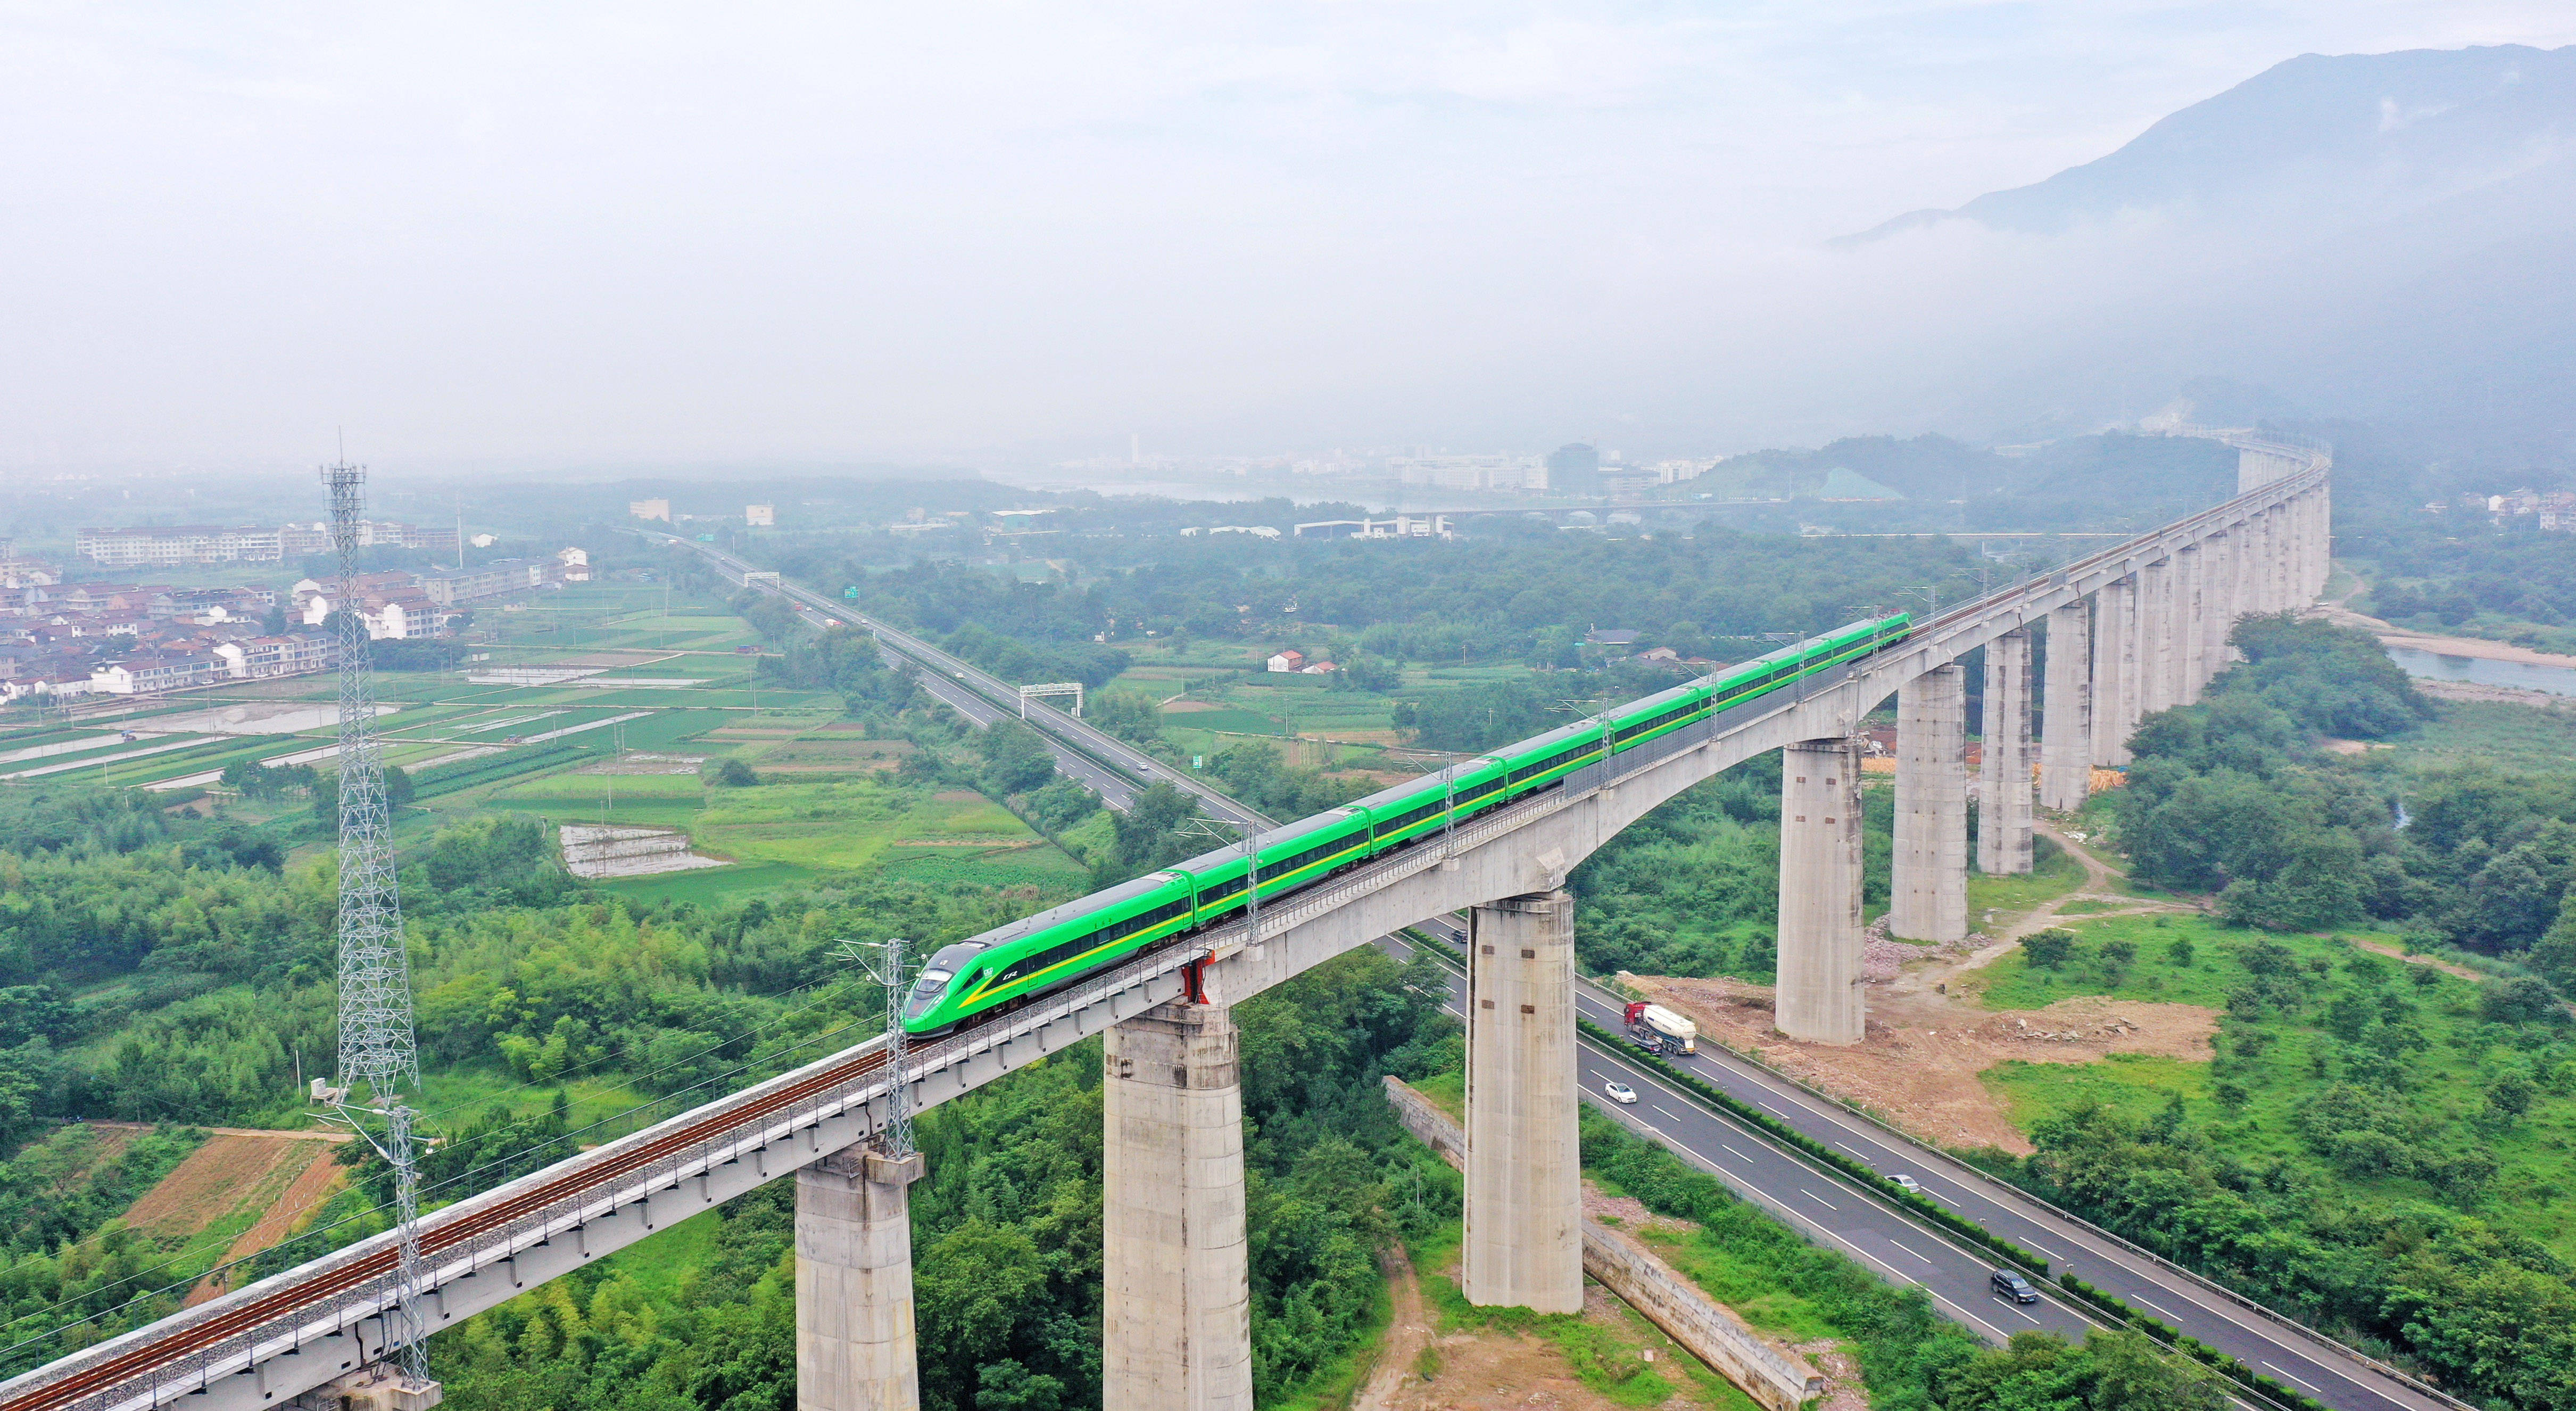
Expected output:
(171, 545)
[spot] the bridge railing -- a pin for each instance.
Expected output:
(1985, 605)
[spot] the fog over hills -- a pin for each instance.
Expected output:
(2319, 139)
(2386, 236)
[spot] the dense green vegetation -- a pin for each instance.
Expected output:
(1006, 1229)
(1528, 599)
(2235, 796)
(66, 1255)
(2460, 571)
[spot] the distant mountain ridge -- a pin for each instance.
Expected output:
(2353, 136)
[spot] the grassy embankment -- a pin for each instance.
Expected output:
(2280, 1060)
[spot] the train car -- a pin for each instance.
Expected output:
(1008, 965)
(1292, 857)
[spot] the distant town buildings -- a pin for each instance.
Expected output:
(69, 639)
(177, 545)
(650, 509)
(2555, 509)
(165, 546)
(1403, 526)
(1497, 472)
(759, 516)
(446, 587)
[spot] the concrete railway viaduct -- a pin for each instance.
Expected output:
(2129, 630)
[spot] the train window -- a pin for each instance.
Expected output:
(1410, 816)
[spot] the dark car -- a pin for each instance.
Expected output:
(2013, 1286)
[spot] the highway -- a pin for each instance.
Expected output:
(942, 676)
(2178, 1298)
(1819, 1204)
(950, 678)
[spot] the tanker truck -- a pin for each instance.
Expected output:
(1659, 1030)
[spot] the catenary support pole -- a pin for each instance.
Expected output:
(1819, 993)
(1176, 1316)
(1928, 882)
(1524, 1227)
(2066, 713)
(2003, 783)
(855, 1349)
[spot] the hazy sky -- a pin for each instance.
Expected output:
(566, 235)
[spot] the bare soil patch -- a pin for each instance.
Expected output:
(1406, 1335)
(1495, 1371)
(2396, 952)
(231, 1171)
(1628, 1212)
(1917, 1065)
(290, 1211)
(1843, 1390)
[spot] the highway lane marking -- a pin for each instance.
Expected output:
(1971, 1317)
(2016, 1312)
(2293, 1376)
(1740, 1156)
(1900, 1244)
(2133, 1298)
(1856, 1151)
(1659, 1107)
(2005, 1203)
(1820, 1200)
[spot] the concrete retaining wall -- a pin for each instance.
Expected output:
(596, 851)
(1777, 1378)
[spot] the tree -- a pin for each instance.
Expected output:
(2049, 949)
(728, 773)
(1364, 672)
(2131, 1373)
(2520, 1000)
(1016, 760)
(1145, 831)
(1127, 715)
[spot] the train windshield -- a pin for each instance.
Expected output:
(934, 978)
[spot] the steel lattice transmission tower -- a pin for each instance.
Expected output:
(376, 1041)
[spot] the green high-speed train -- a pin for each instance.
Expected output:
(1009, 965)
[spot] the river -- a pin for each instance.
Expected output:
(2557, 680)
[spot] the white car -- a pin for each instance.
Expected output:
(1620, 1093)
(1907, 1184)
